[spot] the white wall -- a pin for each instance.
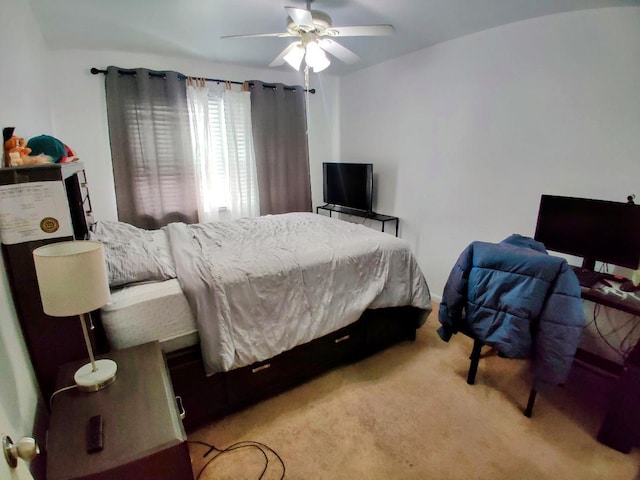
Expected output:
(23, 104)
(80, 116)
(467, 135)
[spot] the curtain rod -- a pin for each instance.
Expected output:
(96, 71)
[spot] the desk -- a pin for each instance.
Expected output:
(620, 429)
(614, 298)
(360, 213)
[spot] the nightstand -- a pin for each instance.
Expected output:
(143, 432)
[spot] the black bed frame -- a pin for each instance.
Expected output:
(207, 398)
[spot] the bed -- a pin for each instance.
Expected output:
(246, 308)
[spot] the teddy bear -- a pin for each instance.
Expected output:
(16, 149)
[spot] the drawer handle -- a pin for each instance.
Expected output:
(342, 339)
(261, 367)
(181, 411)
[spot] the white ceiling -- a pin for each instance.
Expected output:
(193, 28)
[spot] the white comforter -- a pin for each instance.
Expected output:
(261, 286)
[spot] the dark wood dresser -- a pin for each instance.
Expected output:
(26, 194)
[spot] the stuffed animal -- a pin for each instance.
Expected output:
(17, 153)
(39, 150)
(40, 159)
(52, 147)
(16, 149)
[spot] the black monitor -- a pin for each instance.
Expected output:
(596, 230)
(348, 185)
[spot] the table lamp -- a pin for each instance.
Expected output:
(72, 277)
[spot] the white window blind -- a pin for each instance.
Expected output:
(223, 153)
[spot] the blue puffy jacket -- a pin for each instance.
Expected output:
(518, 299)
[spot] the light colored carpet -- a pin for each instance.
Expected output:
(408, 413)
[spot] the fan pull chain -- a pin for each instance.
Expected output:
(306, 90)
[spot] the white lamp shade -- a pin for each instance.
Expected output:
(321, 64)
(295, 56)
(316, 58)
(72, 277)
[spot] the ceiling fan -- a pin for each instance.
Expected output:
(316, 38)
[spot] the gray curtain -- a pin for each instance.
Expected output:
(279, 122)
(150, 146)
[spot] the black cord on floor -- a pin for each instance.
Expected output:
(621, 350)
(236, 446)
(596, 311)
(626, 351)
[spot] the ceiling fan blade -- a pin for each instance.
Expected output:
(279, 60)
(361, 31)
(281, 35)
(300, 16)
(338, 51)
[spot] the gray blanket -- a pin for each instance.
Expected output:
(261, 286)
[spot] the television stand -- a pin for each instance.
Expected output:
(383, 219)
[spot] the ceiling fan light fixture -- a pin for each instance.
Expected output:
(315, 34)
(295, 56)
(321, 65)
(316, 58)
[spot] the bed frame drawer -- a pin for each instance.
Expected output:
(339, 347)
(263, 379)
(296, 365)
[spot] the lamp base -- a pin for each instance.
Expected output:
(90, 380)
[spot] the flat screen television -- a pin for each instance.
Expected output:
(596, 230)
(348, 185)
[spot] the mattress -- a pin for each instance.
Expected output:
(151, 311)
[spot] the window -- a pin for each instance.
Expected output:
(224, 157)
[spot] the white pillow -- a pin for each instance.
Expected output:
(133, 254)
